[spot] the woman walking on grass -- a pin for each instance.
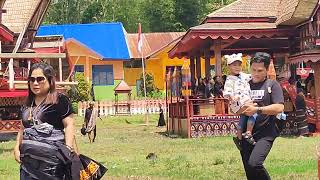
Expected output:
(47, 129)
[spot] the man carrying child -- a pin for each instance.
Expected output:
(237, 90)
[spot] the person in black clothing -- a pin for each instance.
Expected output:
(87, 118)
(306, 82)
(161, 121)
(301, 113)
(47, 125)
(298, 84)
(201, 87)
(207, 87)
(268, 98)
(218, 87)
(224, 78)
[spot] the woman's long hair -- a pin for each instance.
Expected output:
(48, 72)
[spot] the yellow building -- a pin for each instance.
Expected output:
(155, 52)
(99, 50)
(84, 59)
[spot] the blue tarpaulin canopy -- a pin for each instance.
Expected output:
(106, 39)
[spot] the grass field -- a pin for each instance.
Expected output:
(123, 144)
(107, 92)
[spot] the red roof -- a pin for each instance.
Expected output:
(5, 33)
(122, 86)
(235, 26)
(152, 42)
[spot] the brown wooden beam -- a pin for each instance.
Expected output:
(32, 55)
(317, 89)
(198, 64)
(192, 69)
(207, 63)
(217, 55)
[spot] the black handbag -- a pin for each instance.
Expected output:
(91, 169)
(83, 131)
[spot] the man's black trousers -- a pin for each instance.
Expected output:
(253, 158)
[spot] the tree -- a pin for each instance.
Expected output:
(154, 15)
(93, 13)
(80, 92)
(161, 16)
(187, 13)
(151, 89)
(65, 11)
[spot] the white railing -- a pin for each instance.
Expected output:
(108, 108)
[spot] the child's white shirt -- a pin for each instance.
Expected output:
(237, 87)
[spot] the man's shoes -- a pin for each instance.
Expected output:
(249, 138)
(237, 142)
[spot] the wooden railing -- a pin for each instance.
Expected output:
(199, 107)
(107, 108)
(21, 73)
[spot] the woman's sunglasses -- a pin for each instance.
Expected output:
(39, 79)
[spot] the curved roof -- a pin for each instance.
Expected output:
(248, 8)
(293, 12)
(106, 39)
(152, 42)
(286, 12)
(122, 87)
(24, 12)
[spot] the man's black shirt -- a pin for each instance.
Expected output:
(265, 124)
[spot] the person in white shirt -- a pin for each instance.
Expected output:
(237, 90)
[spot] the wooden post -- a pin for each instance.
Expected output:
(60, 70)
(29, 66)
(0, 48)
(60, 66)
(207, 63)
(198, 61)
(188, 115)
(192, 70)
(87, 73)
(317, 89)
(11, 75)
(217, 55)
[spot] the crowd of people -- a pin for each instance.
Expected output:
(209, 86)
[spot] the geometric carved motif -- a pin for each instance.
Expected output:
(290, 128)
(9, 126)
(226, 125)
(16, 101)
(222, 125)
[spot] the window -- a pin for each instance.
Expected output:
(135, 63)
(78, 68)
(102, 75)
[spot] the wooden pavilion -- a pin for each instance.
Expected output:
(18, 26)
(287, 29)
(123, 108)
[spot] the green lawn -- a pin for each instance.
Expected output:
(107, 92)
(123, 144)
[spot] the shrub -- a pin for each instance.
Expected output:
(80, 92)
(75, 107)
(152, 91)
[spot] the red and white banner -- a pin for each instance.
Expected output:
(303, 72)
(140, 43)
